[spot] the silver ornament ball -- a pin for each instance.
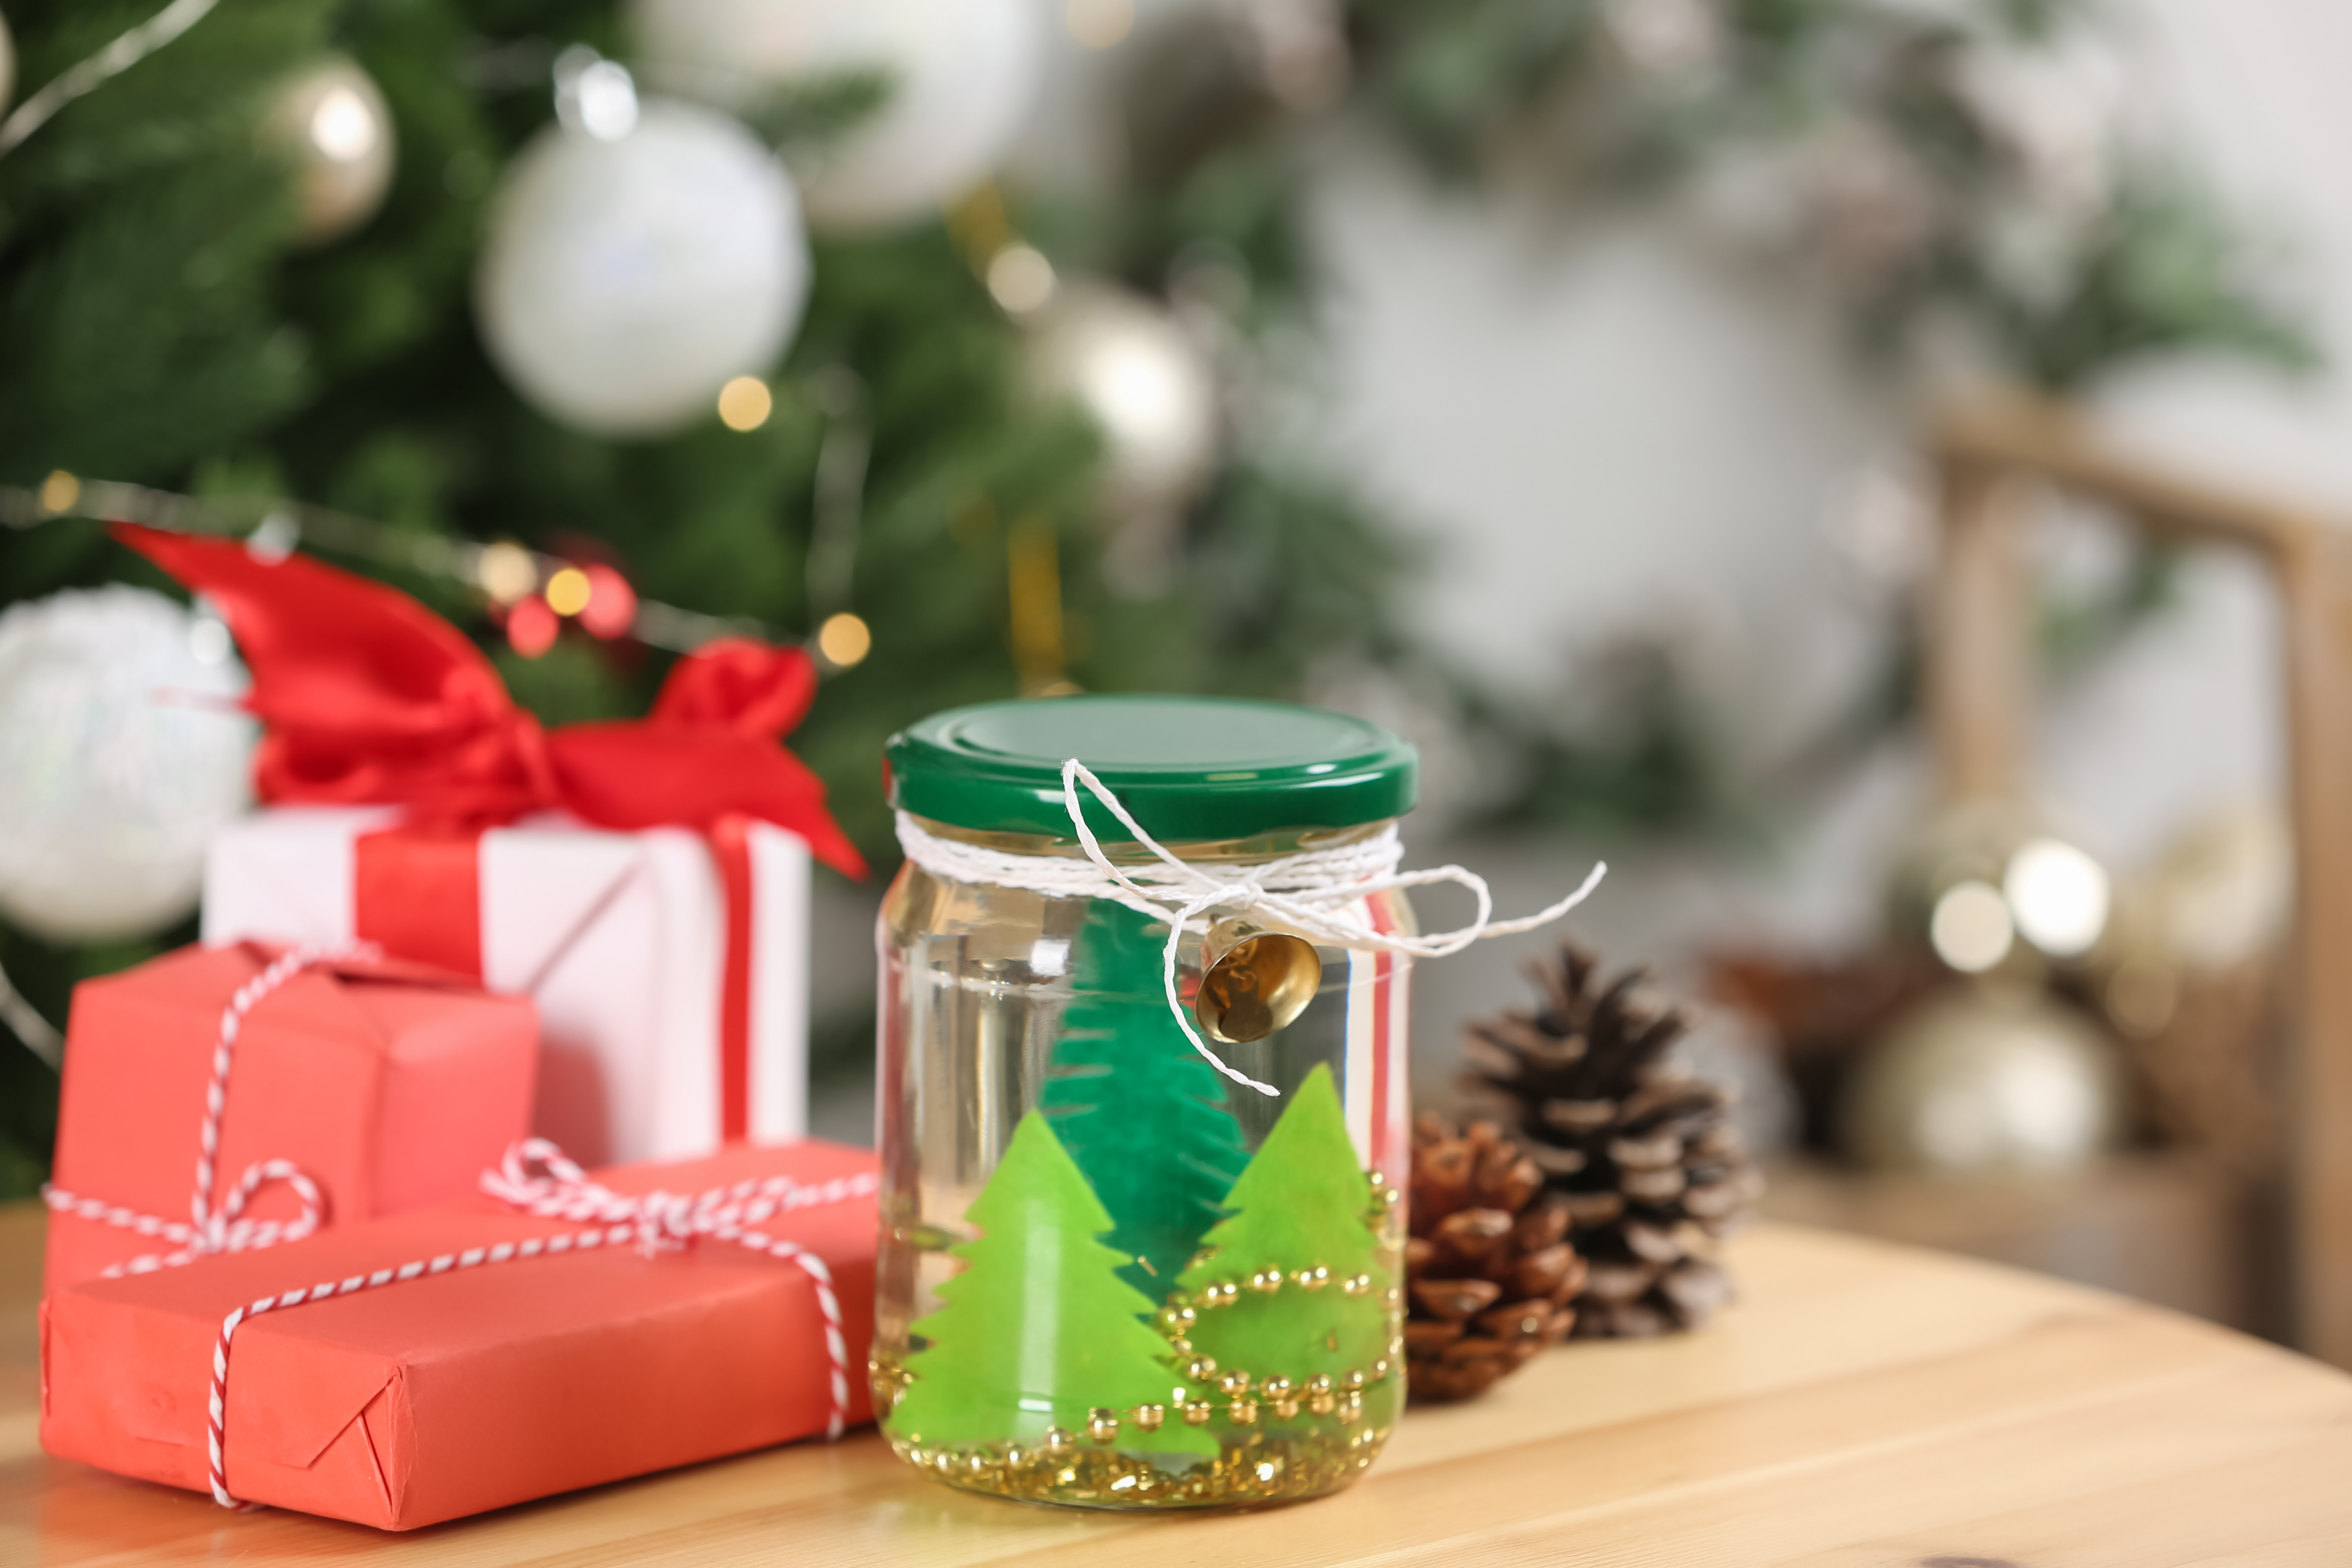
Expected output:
(960, 78)
(628, 277)
(1979, 1079)
(1144, 383)
(120, 756)
(332, 120)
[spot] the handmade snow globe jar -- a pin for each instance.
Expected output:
(1141, 1229)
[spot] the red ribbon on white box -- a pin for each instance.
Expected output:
(368, 697)
(222, 1228)
(539, 1179)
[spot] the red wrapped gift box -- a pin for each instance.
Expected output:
(492, 1381)
(388, 1086)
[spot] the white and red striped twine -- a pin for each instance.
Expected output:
(211, 1229)
(657, 1221)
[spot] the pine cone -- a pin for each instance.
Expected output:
(1490, 1274)
(1644, 1154)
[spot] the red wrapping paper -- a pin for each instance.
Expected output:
(450, 1395)
(392, 1086)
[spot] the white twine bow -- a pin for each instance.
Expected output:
(1310, 894)
(538, 1178)
(223, 1228)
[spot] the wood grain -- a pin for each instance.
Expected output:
(2171, 1229)
(1862, 1404)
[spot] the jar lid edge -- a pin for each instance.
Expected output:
(1187, 767)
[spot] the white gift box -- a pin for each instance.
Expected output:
(620, 938)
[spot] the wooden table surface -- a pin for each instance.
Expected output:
(1864, 1405)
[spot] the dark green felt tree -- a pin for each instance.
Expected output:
(1303, 1201)
(1038, 1328)
(1139, 1110)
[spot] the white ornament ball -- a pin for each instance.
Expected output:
(120, 756)
(625, 281)
(1144, 382)
(334, 122)
(961, 76)
(1979, 1080)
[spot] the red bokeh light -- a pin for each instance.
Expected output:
(531, 626)
(612, 603)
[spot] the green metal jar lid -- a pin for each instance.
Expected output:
(1187, 767)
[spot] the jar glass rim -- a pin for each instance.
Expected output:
(1268, 845)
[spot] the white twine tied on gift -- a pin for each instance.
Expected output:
(538, 1178)
(1310, 894)
(669, 1221)
(224, 1227)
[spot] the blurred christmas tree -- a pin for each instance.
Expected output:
(199, 292)
(290, 251)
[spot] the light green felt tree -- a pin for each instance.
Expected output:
(1140, 1112)
(1303, 1201)
(1038, 1327)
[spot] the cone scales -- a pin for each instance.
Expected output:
(1643, 1155)
(1491, 1269)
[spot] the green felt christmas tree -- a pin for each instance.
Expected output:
(1038, 1328)
(1139, 1110)
(1303, 1201)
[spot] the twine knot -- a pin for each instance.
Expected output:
(213, 1229)
(1314, 893)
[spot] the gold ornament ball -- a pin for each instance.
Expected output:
(333, 122)
(1980, 1079)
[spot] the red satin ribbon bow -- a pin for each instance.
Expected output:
(370, 699)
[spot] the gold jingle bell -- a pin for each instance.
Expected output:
(1254, 980)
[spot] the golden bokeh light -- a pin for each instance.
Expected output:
(745, 403)
(2058, 897)
(569, 591)
(844, 640)
(506, 571)
(1970, 928)
(1098, 24)
(1021, 280)
(59, 491)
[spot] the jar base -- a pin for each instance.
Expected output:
(1271, 1468)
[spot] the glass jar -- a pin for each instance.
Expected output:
(1109, 1276)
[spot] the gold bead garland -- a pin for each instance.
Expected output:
(1067, 1466)
(1264, 1467)
(1319, 1395)
(1244, 1396)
